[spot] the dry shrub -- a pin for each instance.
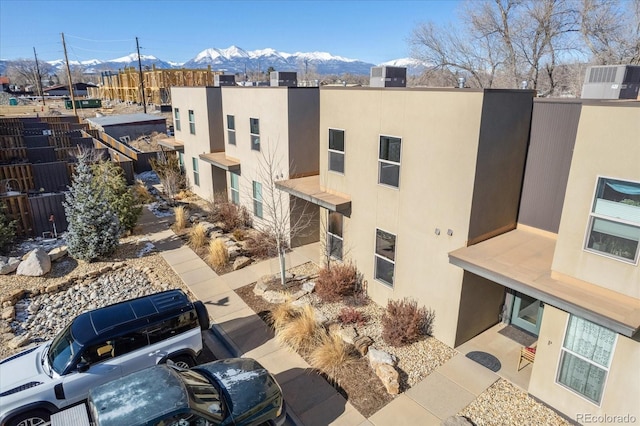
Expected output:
(337, 282)
(197, 236)
(230, 215)
(238, 234)
(283, 313)
(261, 245)
(218, 253)
(404, 323)
(302, 332)
(331, 355)
(181, 218)
(184, 194)
(141, 193)
(349, 315)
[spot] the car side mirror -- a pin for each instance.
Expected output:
(83, 366)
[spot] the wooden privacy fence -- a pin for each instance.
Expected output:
(20, 173)
(42, 207)
(17, 208)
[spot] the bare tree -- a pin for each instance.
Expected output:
(284, 217)
(167, 168)
(25, 72)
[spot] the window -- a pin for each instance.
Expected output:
(336, 150)
(614, 223)
(257, 199)
(254, 129)
(385, 256)
(176, 118)
(334, 235)
(231, 129)
(192, 123)
(585, 358)
(389, 161)
(196, 174)
(235, 189)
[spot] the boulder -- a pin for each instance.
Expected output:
(8, 313)
(234, 251)
(457, 421)
(348, 334)
(389, 377)
(13, 296)
(19, 341)
(57, 253)
(362, 344)
(209, 227)
(36, 264)
(8, 264)
(241, 262)
(275, 297)
(309, 286)
(377, 356)
(262, 285)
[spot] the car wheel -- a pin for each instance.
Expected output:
(203, 315)
(183, 361)
(32, 418)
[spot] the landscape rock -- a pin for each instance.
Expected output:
(389, 377)
(13, 296)
(377, 356)
(362, 344)
(36, 264)
(309, 286)
(234, 251)
(19, 341)
(262, 285)
(8, 264)
(348, 334)
(209, 227)
(58, 253)
(457, 421)
(241, 262)
(275, 297)
(8, 313)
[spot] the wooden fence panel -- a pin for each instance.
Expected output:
(20, 172)
(42, 207)
(17, 208)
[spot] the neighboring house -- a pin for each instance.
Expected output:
(4, 83)
(128, 127)
(570, 269)
(229, 133)
(79, 89)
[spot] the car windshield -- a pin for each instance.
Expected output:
(62, 350)
(203, 395)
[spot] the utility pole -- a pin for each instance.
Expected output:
(39, 77)
(144, 103)
(66, 60)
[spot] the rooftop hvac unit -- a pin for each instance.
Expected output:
(284, 78)
(386, 76)
(611, 82)
(224, 80)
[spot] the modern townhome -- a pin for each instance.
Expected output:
(569, 272)
(239, 140)
(408, 175)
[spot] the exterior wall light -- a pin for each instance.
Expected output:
(449, 232)
(437, 231)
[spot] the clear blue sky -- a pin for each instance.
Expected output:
(372, 31)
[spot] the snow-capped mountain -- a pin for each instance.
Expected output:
(413, 66)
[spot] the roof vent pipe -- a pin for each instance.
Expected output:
(524, 84)
(461, 82)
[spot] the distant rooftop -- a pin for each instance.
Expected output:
(124, 119)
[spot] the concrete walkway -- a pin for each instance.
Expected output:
(310, 399)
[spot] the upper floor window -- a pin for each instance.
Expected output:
(257, 199)
(385, 256)
(334, 235)
(585, 357)
(231, 129)
(336, 150)
(389, 161)
(192, 122)
(176, 118)
(614, 223)
(254, 129)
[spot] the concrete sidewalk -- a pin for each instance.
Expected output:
(310, 399)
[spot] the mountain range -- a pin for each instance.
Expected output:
(235, 60)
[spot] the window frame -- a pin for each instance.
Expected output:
(235, 191)
(331, 235)
(196, 171)
(231, 129)
(252, 134)
(257, 202)
(593, 216)
(383, 258)
(564, 351)
(389, 162)
(192, 122)
(176, 119)
(335, 151)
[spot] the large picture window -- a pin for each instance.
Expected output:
(336, 150)
(614, 223)
(385, 256)
(176, 118)
(254, 129)
(192, 122)
(334, 235)
(231, 129)
(196, 172)
(585, 358)
(389, 161)
(257, 199)
(235, 188)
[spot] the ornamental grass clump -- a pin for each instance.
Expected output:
(181, 218)
(218, 253)
(404, 323)
(197, 236)
(302, 332)
(331, 355)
